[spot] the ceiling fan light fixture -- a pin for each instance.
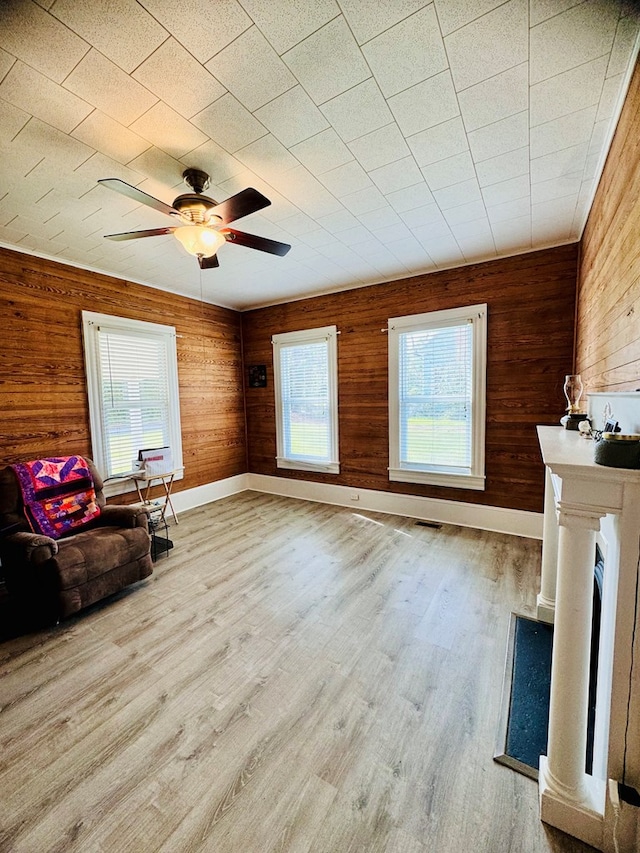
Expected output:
(201, 217)
(199, 240)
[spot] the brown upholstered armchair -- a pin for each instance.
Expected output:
(53, 578)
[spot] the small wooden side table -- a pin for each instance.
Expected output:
(144, 481)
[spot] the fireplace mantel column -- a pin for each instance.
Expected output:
(589, 497)
(563, 776)
(547, 597)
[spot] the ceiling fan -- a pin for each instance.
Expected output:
(201, 218)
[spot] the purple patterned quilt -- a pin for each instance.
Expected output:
(58, 494)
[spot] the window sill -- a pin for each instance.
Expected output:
(299, 465)
(432, 478)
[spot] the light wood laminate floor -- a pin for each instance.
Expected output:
(293, 677)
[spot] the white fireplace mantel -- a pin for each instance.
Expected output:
(585, 501)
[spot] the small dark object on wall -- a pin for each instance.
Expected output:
(258, 376)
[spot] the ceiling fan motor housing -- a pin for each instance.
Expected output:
(194, 209)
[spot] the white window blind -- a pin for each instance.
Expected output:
(437, 365)
(436, 397)
(135, 396)
(305, 367)
(132, 380)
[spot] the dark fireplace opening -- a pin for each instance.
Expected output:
(598, 576)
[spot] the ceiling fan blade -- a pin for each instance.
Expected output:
(252, 241)
(137, 195)
(239, 205)
(133, 235)
(208, 263)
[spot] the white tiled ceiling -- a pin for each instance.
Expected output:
(392, 136)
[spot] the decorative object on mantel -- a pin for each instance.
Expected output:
(584, 428)
(572, 420)
(621, 455)
(573, 389)
(617, 450)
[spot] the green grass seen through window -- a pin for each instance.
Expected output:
(309, 439)
(434, 441)
(447, 441)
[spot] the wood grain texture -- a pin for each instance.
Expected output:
(293, 677)
(43, 398)
(608, 316)
(531, 303)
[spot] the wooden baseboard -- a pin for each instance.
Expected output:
(497, 519)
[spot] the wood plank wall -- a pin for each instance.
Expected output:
(531, 302)
(43, 398)
(608, 317)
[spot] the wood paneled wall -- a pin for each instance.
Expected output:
(43, 397)
(43, 402)
(531, 302)
(608, 317)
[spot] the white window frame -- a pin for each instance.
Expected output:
(328, 334)
(91, 323)
(474, 478)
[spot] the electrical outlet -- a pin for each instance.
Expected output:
(355, 496)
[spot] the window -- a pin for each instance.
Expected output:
(132, 380)
(306, 388)
(437, 389)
